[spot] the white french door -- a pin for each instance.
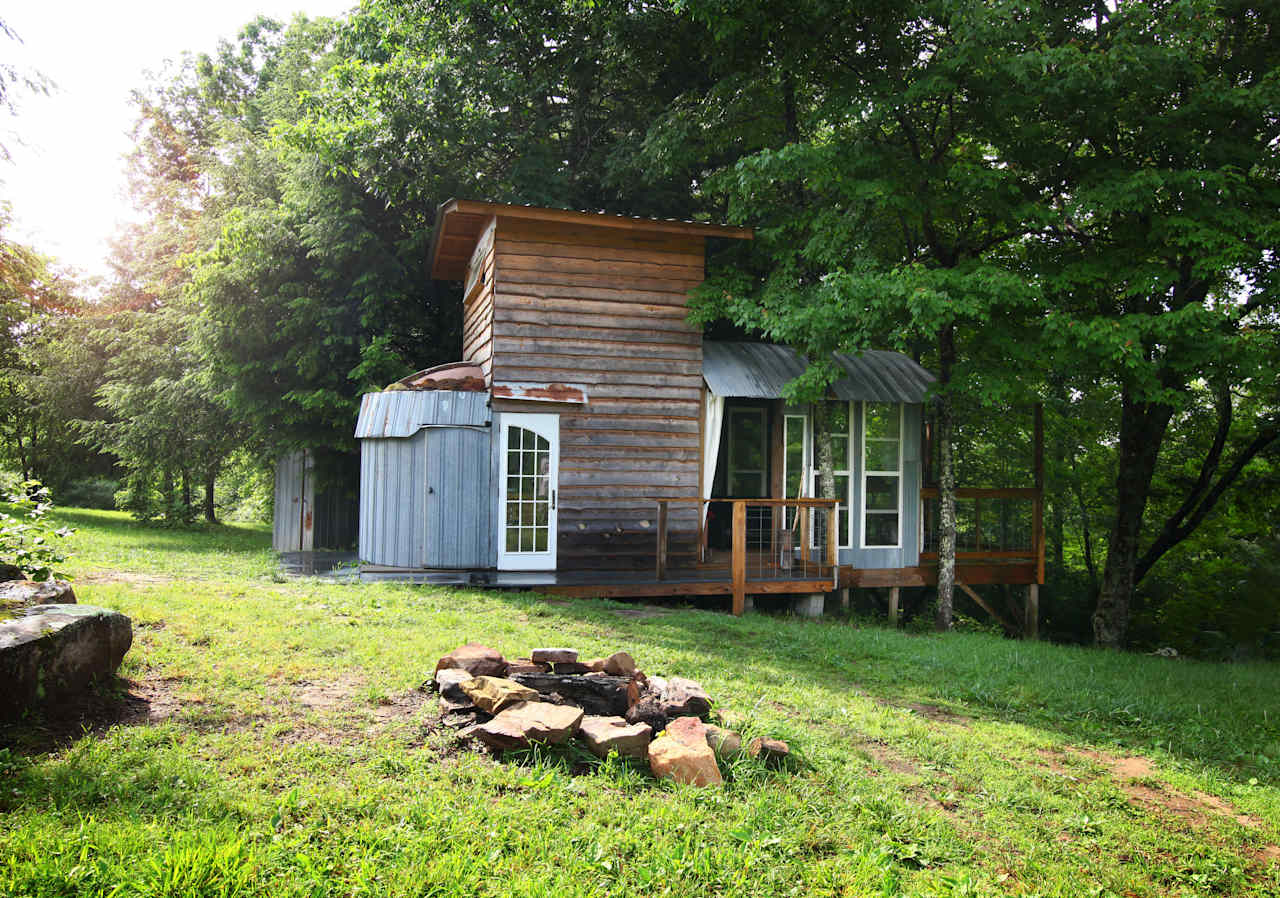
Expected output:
(530, 467)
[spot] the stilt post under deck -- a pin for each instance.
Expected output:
(739, 560)
(893, 606)
(1032, 615)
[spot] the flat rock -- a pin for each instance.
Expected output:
(570, 667)
(524, 723)
(477, 660)
(554, 656)
(725, 743)
(602, 735)
(693, 765)
(15, 594)
(620, 664)
(773, 752)
(50, 651)
(492, 694)
(688, 731)
(526, 665)
(448, 683)
(684, 698)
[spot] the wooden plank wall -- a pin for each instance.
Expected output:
(605, 307)
(477, 309)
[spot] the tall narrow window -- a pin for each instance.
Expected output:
(839, 421)
(881, 474)
(796, 442)
(748, 453)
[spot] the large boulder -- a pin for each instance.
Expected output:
(492, 694)
(524, 723)
(677, 757)
(602, 735)
(48, 652)
(477, 660)
(17, 594)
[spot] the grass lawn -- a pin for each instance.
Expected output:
(272, 741)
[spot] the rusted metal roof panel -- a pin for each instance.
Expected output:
(763, 370)
(402, 413)
(554, 392)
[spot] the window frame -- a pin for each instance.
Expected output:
(865, 473)
(846, 538)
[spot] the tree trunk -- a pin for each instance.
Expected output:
(946, 515)
(1142, 430)
(210, 512)
(166, 491)
(824, 463)
(946, 481)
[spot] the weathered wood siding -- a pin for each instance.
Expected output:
(605, 307)
(477, 309)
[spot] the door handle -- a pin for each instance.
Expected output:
(553, 500)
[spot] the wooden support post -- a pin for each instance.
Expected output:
(977, 523)
(968, 590)
(662, 540)
(1032, 615)
(844, 599)
(1037, 507)
(833, 543)
(893, 606)
(739, 560)
(803, 513)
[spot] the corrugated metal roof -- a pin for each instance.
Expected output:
(762, 370)
(402, 413)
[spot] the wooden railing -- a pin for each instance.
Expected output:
(777, 545)
(992, 524)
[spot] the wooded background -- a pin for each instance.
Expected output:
(1065, 203)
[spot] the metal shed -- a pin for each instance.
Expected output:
(315, 502)
(425, 475)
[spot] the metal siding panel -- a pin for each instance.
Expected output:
(762, 371)
(286, 534)
(402, 413)
(458, 466)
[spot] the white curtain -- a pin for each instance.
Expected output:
(712, 419)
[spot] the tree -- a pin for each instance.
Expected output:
(881, 214)
(1155, 124)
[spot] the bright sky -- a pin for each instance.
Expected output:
(66, 181)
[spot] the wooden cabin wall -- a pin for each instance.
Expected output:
(605, 307)
(477, 308)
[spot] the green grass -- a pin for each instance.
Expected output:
(292, 755)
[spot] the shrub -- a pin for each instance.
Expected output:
(27, 540)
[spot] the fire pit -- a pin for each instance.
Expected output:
(608, 704)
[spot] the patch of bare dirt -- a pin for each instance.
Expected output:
(117, 702)
(939, 714)
(333, 696)
(889, 758)
(643, 611)
(131, 578)
(1137, 778)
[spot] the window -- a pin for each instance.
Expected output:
(839, 422)
(796, 451)
(881, 474)
(748, 454)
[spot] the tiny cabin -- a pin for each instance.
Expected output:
(590, 441)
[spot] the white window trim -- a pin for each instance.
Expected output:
(862, 459)
(846, 538)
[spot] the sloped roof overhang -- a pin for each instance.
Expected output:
(763, 370)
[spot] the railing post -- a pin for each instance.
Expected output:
(833, 544)
(662, 540)
(739, 557)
